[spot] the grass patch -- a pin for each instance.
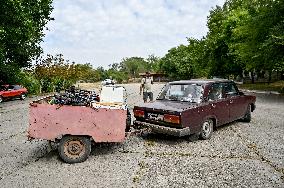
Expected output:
(275, 86)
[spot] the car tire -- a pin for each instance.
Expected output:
(1, 99)
(128, 121)
(74, 149)
(206, 129)
(22, 96)
(247, 116)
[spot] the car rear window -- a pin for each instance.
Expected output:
(182, 92)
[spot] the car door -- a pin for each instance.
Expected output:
(17, 90)
(236, 101)
(5, 92)
(12, 92)
(218, 103)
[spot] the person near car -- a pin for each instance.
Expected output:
(146, 87)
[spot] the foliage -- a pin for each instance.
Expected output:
(243, 35)
(130, 67)
(134, 65)
(28, 80)
(185, 61)
(55, 73)
(21, 31)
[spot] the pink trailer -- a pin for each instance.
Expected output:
(75, 127)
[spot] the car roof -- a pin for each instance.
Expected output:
(200, 81)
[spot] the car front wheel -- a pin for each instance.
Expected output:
(74, 149)
(22, 96)
(206, 129)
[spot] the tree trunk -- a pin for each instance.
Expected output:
(269, 76)
(252, 77)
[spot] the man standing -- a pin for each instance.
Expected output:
(146, 84)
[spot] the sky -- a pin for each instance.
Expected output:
(102, 32)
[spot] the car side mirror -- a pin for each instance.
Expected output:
(9, 89)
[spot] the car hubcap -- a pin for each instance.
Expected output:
(206, 128)
(23, 96)
(74, 149)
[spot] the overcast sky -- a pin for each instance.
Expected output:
(102, 32)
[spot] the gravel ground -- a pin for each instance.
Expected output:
(238, 154)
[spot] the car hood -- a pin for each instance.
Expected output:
(166, 105)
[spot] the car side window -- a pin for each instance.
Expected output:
(215, 92)
(16, 87)
(230, 89)
(11, 87)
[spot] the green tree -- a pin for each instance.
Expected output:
(185, 61)
(245, 35)
(133, 66)
(221, 60)
(56, 73)
(259, 36)
(21, 30)
(153, 63)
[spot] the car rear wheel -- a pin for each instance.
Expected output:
(247, 116)
(22, 96)
(1, 99)
(74, 149)
(206, 129)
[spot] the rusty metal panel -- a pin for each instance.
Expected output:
(52, 121)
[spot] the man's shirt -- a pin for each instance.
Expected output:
(147, 84)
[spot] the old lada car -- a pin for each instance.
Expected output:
(194, 107)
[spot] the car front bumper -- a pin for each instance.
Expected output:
(163, 129)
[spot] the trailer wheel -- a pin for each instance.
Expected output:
(74, 149)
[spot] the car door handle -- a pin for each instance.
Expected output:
(231, 101)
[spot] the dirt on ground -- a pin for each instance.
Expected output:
(238, 154)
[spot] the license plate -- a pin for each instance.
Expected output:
(156, 117)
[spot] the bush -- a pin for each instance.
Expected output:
(30, 82)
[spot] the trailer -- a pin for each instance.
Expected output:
(75, 128)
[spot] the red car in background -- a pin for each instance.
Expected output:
(12, 91)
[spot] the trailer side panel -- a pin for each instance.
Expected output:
(53, 121)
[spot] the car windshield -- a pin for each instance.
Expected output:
(182, 92)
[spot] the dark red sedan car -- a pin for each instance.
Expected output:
(195, 107)
(12, 91)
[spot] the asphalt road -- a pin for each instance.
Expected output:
(238, 154)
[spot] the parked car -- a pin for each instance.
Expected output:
(12, 91)
(107, 82)
(195, 107)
